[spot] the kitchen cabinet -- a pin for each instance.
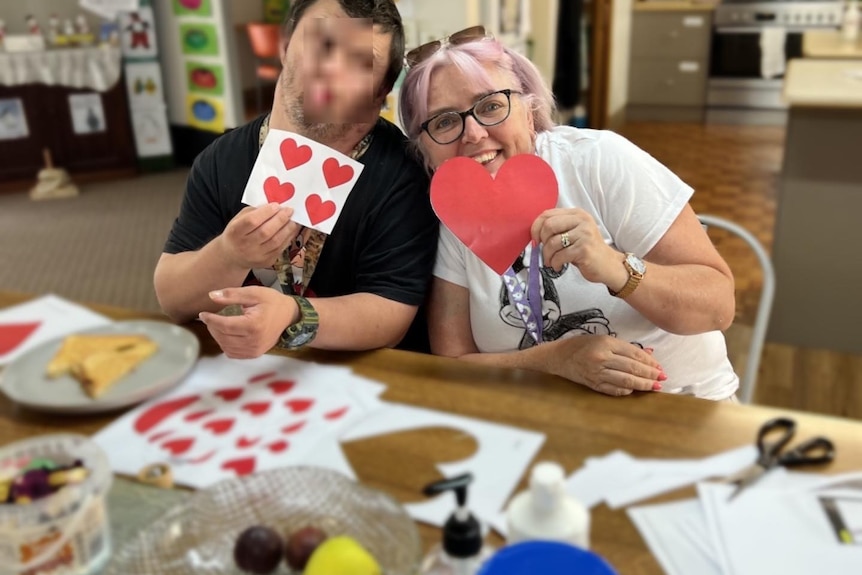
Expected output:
(669, 62)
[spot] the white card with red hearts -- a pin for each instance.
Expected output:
(305, 175)
(27, 325)
(231, 418)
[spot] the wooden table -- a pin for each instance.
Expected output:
(578, 423)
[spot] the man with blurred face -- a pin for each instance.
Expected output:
(357, 288)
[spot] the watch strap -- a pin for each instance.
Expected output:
(632, 283)
(305, 330)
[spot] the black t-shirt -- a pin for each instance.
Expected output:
(385, 239)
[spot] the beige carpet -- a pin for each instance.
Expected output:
(99, 247)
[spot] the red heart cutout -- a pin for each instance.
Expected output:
(318, 210)
(179, 446)
(161, 411)
(160, 435)
(244, 442)
(336, 174)
(229, 394)
(262, 377)
(336, 414)
(278, 446)
(281, 386)
(203, 458)
(12, 335)
(276, 191)
(241, 466)
(299, 405)
(257, 408)
(294, 155)
(293, 428)
(493, 216)
(198, 415)
(219, 426)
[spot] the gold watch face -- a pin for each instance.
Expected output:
(636, 263)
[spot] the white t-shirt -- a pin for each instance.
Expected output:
(634, 200)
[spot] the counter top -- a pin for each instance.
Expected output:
(829, 44)
(823, 83)
(674, 6)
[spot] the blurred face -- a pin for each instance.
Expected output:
(451, 91)
(333, 69)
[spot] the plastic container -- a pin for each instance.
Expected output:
(546, 512)
(545, 558)
(66, 533)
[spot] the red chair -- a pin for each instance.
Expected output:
(265, 40)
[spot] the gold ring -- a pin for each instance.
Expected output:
(564, 239)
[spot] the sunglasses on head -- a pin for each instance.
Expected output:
(425, 51)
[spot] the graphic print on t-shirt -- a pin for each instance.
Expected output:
(590, 321)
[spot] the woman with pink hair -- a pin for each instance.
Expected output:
(625, 264)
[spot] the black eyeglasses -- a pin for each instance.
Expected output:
(493, 109)
(425, 51)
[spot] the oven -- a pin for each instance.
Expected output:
(751, 43)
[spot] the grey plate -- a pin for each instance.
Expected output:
(25, 382)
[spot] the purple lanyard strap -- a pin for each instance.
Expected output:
(529, 305)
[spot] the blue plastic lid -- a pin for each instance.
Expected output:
(547, 558)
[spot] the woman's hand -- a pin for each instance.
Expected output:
(265, 314)
(605, 364)
(597, 261)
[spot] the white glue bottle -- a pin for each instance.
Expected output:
(546, 512)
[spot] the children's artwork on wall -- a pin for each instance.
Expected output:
(152, 135)
(199, 39)
(144, 84)
(137, 33)
(203, 78)
(108, 9)
(88, 114)
(205, 113)
(192, 7)
(13, 121)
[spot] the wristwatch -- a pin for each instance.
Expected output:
(636, 268)
(304, 331)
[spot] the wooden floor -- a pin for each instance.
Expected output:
(734, 171)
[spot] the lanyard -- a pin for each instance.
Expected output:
(529, 305)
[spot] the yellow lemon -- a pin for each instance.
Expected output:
(341, 555)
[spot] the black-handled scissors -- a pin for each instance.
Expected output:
(815, 451)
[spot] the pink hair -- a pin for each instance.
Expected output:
(470, 59)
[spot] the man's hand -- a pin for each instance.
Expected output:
(255, 237)
(265, 314)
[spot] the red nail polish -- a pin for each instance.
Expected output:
(656, 386)
(662, 376)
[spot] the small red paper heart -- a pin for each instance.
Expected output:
(160, 435)
(318, 210)
(256, 408)
(203, 458)
(161, 411)
(299, 405)
(219, 426)
(12, 335)
(293, 428)
(493, 216)
(336, 414)
(336, 174)
(281, 387)
(179, 446)
(244, 442)
(229, 394)
(262, 377)
(241, 466)
(294, 155)
(276, 191)
(278, 446)
(198, 415)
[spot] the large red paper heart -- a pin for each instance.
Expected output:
(12, 335)
(294, 155)
(241, 466)
(161, 411)
(276, 191)
(336, 174)
(318, 210)
(493, 216)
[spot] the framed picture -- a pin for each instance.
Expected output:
(13, 120)
(205, 113)
(137, 33)
(199, 39)
(88, 114)
(144, 84)
(204, 78)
